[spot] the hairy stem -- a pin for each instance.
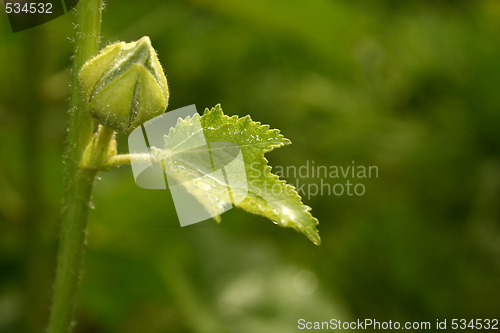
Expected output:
(71, 248)
(78, 182)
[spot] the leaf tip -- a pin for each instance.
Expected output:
(315, 238)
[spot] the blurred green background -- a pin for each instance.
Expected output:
(409, 86)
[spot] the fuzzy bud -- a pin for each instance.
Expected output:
(124, 85)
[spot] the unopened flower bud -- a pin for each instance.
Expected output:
(124, 85)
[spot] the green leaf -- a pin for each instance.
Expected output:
(263, 194)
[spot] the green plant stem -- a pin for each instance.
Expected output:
(124, 159)
(103, 138)
(78, 182)
(71, 248)
(99, 150)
